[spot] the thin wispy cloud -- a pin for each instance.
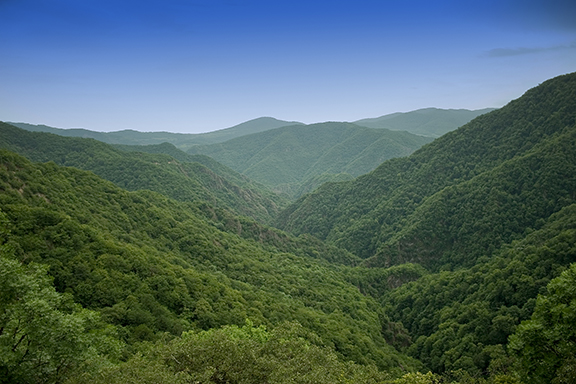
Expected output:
(505, 52)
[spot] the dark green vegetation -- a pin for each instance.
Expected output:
(462, 319)
(182, 140)
(297, 159)
(490, 210)
(432, 122)
(180, 176)
(456, 264)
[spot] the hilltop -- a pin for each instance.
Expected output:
(182, 140)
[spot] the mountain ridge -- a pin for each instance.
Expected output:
(432, 122)
(288, 157)
(442, 122)
(183, 140)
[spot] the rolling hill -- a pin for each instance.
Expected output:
(182, 140)
(431, 122)
(288, 158)
(153, 267)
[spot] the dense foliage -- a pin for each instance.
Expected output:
(546, 342)
(489, 211)
(232, 354)
(151, 265)
(462, 319)
(44, 335)
(286, 158)
(190, 178)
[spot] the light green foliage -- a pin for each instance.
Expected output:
(151, 265)
(44, 336)
(237, 355)
(418, 378)
(546, 344)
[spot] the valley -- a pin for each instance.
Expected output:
(423, 247)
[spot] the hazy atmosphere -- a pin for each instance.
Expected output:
(198, 66)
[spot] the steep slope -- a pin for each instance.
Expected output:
(462, 319)
(184, 181)
(182, 140)
(432, 122)
(150, 264)
(285, 158)
(461, 196)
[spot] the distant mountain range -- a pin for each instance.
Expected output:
(426, 122)
(181, 140)
(290, 157)
(431, 122)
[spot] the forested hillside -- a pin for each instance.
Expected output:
(189, 178)
(462, 319)
(150, 265)
(290, 159)
(490, 210)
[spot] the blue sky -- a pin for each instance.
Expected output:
(202, 65)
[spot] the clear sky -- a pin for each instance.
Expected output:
(201, 65)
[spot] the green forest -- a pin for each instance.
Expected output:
(146, 264)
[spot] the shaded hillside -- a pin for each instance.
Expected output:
(463, 319)
(182, 140)
(149, 264)
(432, 122)
(218, 168)
(463, 195)
(289, 157)
(181, 180)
